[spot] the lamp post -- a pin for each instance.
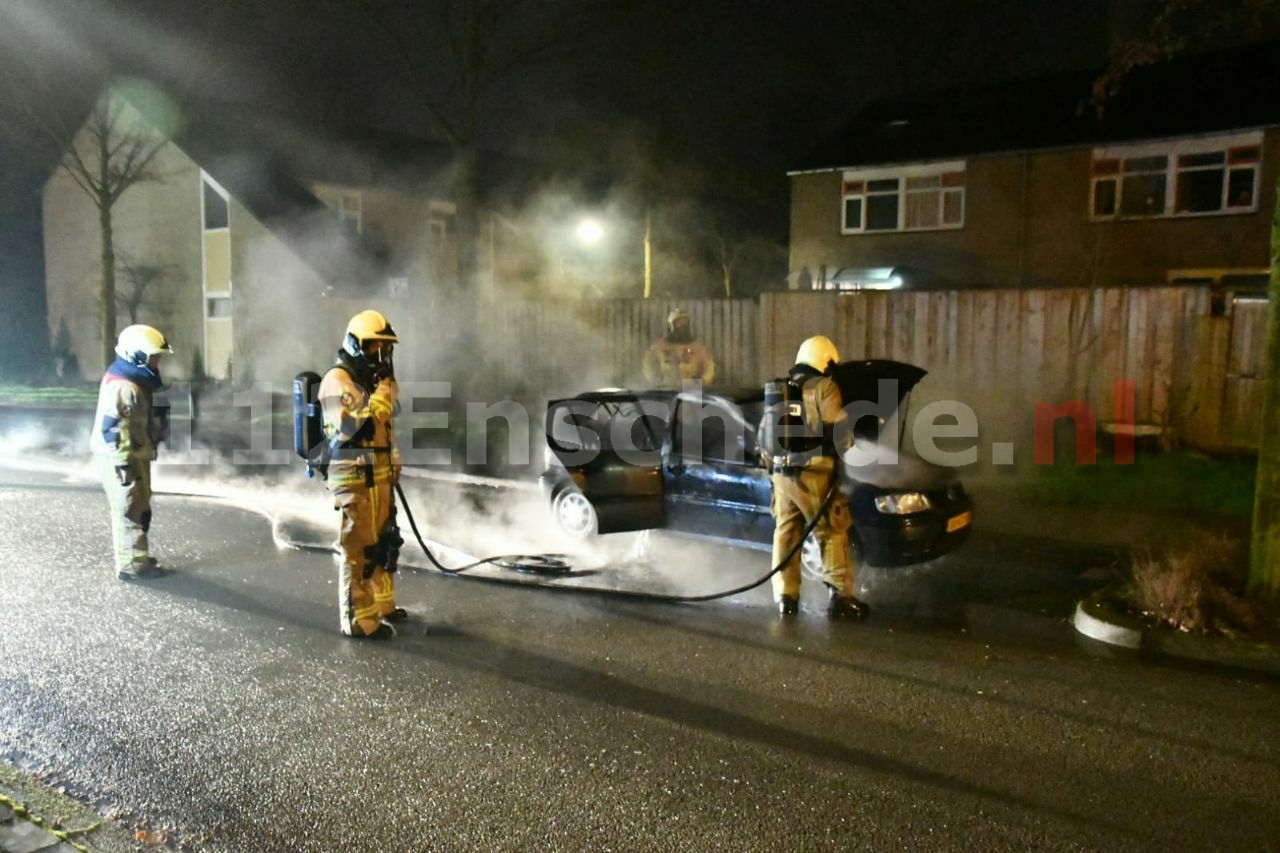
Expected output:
(648, 254)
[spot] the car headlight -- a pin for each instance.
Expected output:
(904, 503)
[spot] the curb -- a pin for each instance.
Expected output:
(1096, 620)
(1097, 623)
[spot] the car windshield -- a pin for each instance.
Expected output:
(624, 423)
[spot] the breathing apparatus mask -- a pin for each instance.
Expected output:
(678, 328)
(367, 348)
(373, 360)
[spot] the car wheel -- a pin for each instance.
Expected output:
(575, 514)
(811, 556)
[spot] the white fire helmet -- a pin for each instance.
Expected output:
(138, 343)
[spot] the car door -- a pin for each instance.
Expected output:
(712, 484)
(610, 448)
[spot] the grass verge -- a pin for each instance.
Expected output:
(1170, 482)
(29, 395)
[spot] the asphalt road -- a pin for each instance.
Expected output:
(221, 701)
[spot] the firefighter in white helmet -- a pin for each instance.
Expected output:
(124, 437)
(678, 357)
(358, 399)
(804, 466)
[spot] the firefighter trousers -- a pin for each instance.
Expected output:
(366, 591)
(797, 498)
(130, 508)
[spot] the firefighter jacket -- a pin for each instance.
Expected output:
(824, 416)
(360, 428)
(123, 429)
(670, 363)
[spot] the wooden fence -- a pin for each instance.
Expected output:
(1197, 378)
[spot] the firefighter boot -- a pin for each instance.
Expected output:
(788, 605)
(142, 569)
(846, 607)
(382, 632)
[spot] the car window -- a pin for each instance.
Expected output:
(635, 424)
(713, 431)
(751, 414)
(622, 425)
(575, 425)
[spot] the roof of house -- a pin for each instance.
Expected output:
(267, 162)
(1194, 94)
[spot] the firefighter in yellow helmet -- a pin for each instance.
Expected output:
(124, 437)
(358, 400)
(678, 357)
(803, 456)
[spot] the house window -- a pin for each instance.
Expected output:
(907, 198)
(349, 206)
(218, 307)
(1189, 177)
(440, 220)
(217, 213)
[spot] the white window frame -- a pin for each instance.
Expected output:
(439, 215)
(343, 202)
(208, 183)
(855, 183)
(349, 206)
(1108, 166)
(209, 297)
(222, 298)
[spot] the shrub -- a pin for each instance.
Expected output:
(1197, 584)
(198, 376)
(66, 366)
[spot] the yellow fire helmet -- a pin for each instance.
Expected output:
(676, 314)
(368, 326)
(818, 352)
(138, 343)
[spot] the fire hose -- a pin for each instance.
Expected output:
(555, 565)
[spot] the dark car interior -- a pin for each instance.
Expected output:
(577, 426)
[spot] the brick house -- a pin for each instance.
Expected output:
(1024, 185)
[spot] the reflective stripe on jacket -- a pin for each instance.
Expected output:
(122, 423)
(360, 428)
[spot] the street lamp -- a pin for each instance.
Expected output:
(590, 232)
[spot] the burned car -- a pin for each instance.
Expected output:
(687, 462)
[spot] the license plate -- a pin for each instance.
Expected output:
(961, 520)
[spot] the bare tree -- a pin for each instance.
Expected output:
(456, 52)
(1180, 26)
(142, 286)
(113, 152)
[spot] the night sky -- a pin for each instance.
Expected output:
(743, 87)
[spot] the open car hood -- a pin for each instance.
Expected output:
(907, 471)
(859, 383)
(860, 380)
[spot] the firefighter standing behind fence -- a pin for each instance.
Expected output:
(803, 455)
(363, 467)
(678, 357)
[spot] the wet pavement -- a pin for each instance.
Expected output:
(220, 705)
